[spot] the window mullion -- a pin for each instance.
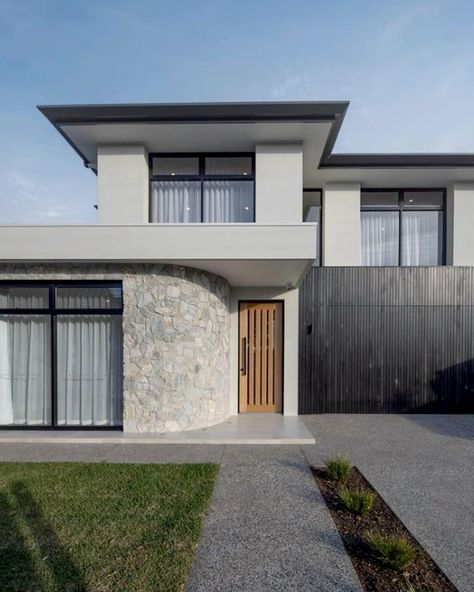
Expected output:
(400, 226)
(202, 200)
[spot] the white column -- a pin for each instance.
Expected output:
(341, 225)
(290, 352)
(279, 183)
(123, 184)
(460, 224)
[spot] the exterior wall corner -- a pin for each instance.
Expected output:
(279, 183)
(123, 184)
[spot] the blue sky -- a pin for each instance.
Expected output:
(406, 66)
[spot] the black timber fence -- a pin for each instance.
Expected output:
(387, 340)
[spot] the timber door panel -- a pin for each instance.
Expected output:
(261, 357)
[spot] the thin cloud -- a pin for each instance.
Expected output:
(23, 187)
(24, 198)
(54, 213)
(409, 19)
(287, 87)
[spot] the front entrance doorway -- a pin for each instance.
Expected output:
(261, 357)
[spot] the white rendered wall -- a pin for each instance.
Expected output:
(341, 224)
(123, 184)
(460, 224)
(290, 343)
(279, 183)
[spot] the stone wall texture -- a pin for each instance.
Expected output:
(176, 327)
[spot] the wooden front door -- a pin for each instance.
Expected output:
(261, 357)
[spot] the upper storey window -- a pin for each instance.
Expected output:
(403, 227)
(212, 188)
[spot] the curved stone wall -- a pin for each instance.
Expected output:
(176, 326)
(176, 349)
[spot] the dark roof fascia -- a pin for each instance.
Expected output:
(192, 112)
(332, 136)
(383, 161)
(387, 161)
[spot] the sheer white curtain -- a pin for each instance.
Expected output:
(6, 382)
(421, 238)
(380, 236)
(25, 366)
(176, 201)
(89, 369)
(228, 201)
(25, 369)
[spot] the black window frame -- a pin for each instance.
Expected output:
(401, 207)
(53, 312)
(201, 177)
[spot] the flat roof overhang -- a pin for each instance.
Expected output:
(200, 127)
(214, 127)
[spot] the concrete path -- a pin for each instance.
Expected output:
(423, 466)
(269, 530)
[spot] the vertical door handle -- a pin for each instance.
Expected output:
(243, 356)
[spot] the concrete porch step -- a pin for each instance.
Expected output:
(239, 429)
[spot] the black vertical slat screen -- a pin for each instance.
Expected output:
(387, 340)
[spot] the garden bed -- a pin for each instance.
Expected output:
(421, 575)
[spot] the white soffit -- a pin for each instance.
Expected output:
(204, 137)
(259, 274)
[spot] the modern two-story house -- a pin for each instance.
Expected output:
(238, 266)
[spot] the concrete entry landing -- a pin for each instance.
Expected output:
(239, 429)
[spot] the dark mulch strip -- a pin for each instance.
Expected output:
(422, 574)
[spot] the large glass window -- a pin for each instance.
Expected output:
(202, 188)
(402, 227)
(60, 354)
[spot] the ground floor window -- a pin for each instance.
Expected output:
(60, 354)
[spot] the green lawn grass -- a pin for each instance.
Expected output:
(70, 527)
